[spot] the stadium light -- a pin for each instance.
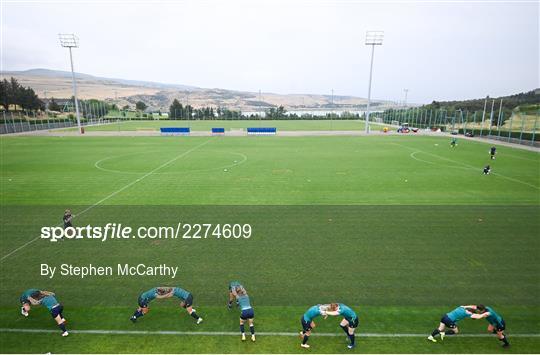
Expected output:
(373, 38)
(69, 40)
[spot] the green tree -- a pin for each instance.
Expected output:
(53, 105)
(141, 106)
(175, 110)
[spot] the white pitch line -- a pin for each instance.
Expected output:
(283, 334)
(117, 192)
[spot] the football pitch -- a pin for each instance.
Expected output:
(401, 228)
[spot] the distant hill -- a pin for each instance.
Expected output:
(56, 83)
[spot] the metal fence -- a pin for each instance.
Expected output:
(17, 122)
(519, 127)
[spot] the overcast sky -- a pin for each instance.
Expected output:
(438, 50)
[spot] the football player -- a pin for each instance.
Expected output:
(186, 301)
(48, 299)
(449, 320)
(307, 321)
(496, 322)
(349, 322)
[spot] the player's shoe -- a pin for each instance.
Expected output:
(350, 346)
(252, 337)
(305, 346)
(442, 335)
(23, 312)
(506, 345)
(229, 306)
(133, 319)
(243, 337)
(65, 334)
(432, 338)
(199, 321)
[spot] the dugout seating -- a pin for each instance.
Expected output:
(174, 131)
(264, 131)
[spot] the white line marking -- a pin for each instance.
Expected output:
(469, 166)
(118, 191)
(284, 334)
(97, 164)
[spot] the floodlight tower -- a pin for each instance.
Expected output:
(69, 40)
(373, 38)
(405, 101)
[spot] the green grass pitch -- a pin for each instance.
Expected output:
(401, 228)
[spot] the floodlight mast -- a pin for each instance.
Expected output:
(69, 40)
(373, 38)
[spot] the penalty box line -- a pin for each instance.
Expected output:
(117, 192)
(283, 334)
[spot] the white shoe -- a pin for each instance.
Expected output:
(23, 312)
(243, 337)
(253, 337)
(442, 335)
(306, 346)
(432, 338)
(65, 334)
(199, 321)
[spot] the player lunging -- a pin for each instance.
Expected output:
(186, 301)
(146, 297)
(349, 322)
(496, 322)
(47, 299)
(449, 320)
(307, 321)
(453, 143)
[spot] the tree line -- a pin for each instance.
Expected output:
(14, 94)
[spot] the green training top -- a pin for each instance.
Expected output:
(458, 314)
(311, 313)
(181, 293)
(234, 284)
(243, 302)
(347, 313)
(28, 293)
(149, 295)
(49, 302)
(493, 318)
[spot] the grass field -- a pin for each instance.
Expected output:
(281, 125)
(401, 228)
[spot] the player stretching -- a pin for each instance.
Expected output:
(47, 299)
(232, 292)
(492, 153)
(449, 320)
(247, 312)
(496, 322)
(146, 297)
(349, 322)
(186, 301)
(307, 321)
